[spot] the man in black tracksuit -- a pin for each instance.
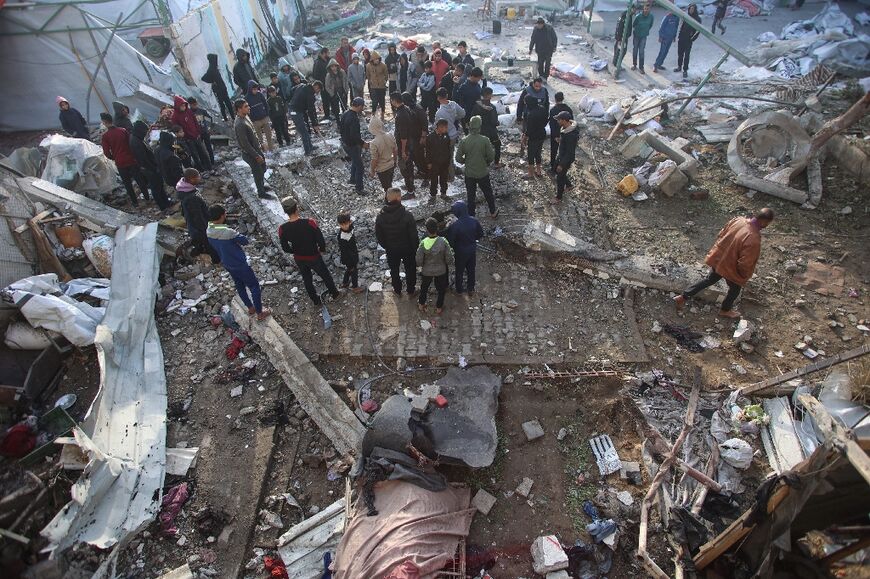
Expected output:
(489, 115)
(438, 159)
(303, 238)
(406, 136)
(570, 136)
(543, 42)
(351, 138)
(396, 232)
(554, 126)
(421, 130)
(148, 163)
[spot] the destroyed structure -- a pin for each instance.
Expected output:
(565, 420)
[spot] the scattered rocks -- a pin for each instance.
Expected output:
(548, 555)
(525, 487)
(483, 501)
(533, 430)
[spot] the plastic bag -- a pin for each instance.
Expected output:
(22, 336)
(78, 165)
(662, 171)
(736, 452)
(591, 106)
(612, 112)
(99, 250)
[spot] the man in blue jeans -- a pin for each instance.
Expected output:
(302, 104)
(641, 26)
(348, 126)
(667, 33)
(228, 242)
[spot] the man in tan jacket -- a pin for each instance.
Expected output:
(384, 153)
(733, 257)
(376, 72)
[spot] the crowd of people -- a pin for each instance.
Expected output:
(455, 121)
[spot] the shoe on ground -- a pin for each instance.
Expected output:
(251, 311)
(495, 213)
(439, 311)
(265, 196)
(409, 195)
(444, 195)
(357, 290)
(421, 307)
(267, 187)
(677, 69)
(679, 301)
(336, 295)
(685, 74)
(633, 67)
(555, 201)
(731, 314)
(642, 71)
(264, 314)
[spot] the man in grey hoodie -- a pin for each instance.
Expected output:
(356, 77)
(252, 150)
(434, 256)
(454, 115)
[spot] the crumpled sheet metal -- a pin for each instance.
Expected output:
(776, 183)
(46, 303)
(124, 431)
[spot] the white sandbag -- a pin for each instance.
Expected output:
(612, 113)
(591, 106)
(736, 452)
(78, 165)
(663, 170)
(651, 124)
(766, 37)
(23, 336)
(506, 120)
(99, 250)
(97, 287)
(563, 66)
(579, 71)
(511, 98)
(642, 173)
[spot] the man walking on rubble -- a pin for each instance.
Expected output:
(396, 232)
(476, 152)
(544, 43)
(304, 239)
(351, 138)
(733, 257)
(569, 136)
(252, 150)
(559, 107)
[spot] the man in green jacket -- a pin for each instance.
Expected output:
(643, 23)
(476, 152)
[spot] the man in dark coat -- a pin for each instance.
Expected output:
(218, 86)
(302, 105)
(463, 235)
(559, 107)
(148, 163)
(71, 120)
(489, 116)
(243, 71)
(353, 143)
(544, 43)
(171, 167)
(396, 232)
(116, 146)
(570, 136)
(321, 65)
(122, 116)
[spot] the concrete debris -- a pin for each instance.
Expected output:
(548, 555)
(540, 236)
(533, 430)
(605, 454)
(524, 489)
(625, 498)
(743, 332)
(483, 501)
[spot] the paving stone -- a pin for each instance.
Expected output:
(525, 487)
(533, 430)
(483, 501)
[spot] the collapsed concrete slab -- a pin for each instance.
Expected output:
(641, 144)
(780, 136)
(540, 236)
(311, 390)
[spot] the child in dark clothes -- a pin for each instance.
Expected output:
(349, 252)
(278, 115)
(438, 158)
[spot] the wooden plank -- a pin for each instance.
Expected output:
(93, 214)
(808, 369)
(786, 446)
(311, 390)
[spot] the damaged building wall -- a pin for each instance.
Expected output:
(80, 55)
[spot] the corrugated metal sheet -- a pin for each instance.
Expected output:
(124, 432)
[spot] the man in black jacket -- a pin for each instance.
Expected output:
(321, 66)
(489, 129)
(171, 167)
(406, 136)
(303, 238)
(301, 104)
(148, 163)
(544, 43)
(218, 86)
(351, 138)
(559, 107)
(570, 136)
(421, 129)
(243, 71)
(396, 232)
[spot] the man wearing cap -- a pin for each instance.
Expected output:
(348, 126)
(544, 43)
(569, 136)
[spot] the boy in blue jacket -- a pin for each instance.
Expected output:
(463, 235)
(228, 242)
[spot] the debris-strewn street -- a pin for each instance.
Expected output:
(657, 365)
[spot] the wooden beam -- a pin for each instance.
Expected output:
(808, 369)
(311, 390)
(845, 552)
(94, 215)
(838, 435)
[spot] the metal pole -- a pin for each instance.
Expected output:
(629, 20)
(702, 83)
(666, 5)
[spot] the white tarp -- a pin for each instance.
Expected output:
(78, 165)
(41, 299)
(62, 62)
(124, 431)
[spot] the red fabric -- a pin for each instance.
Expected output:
(339, 57)
(275, 567)
(19, 441)
(173, 500)
(406, 570)
(185, 119)
(439, 69)
(235, 347)
(116, 146)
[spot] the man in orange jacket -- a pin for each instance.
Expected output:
(733, 257)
